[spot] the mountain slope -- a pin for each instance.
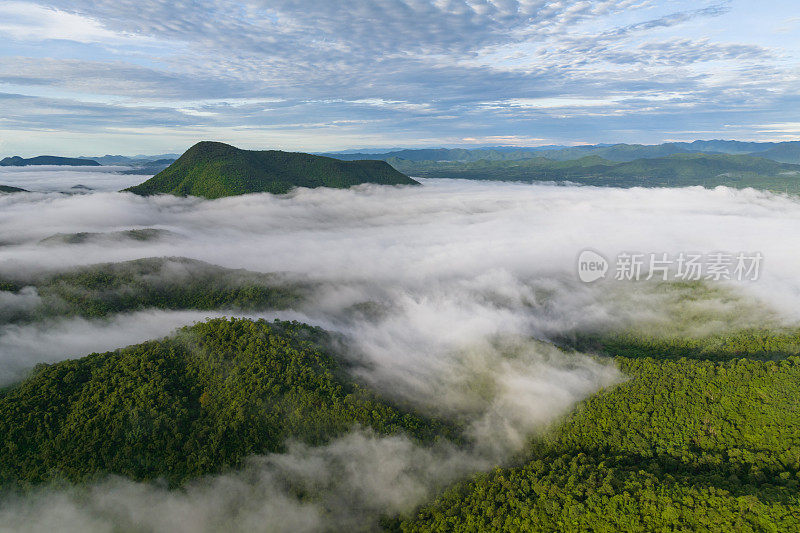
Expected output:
(788, 152)
(18, 161)
(214, 170)
(189, 405)
(95, 291)
(684, 445)
(9, 188)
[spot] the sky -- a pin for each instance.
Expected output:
(91, 77)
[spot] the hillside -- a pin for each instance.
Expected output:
(159, 282)
(196, 403)
(18, 161)
(9, 188)
(684, 445)
(214, 170)
(788, 152)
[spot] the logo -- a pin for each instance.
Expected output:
(591, 266)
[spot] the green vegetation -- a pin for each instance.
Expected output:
(185, 406)
(9, 188)
(749, 343)
(784, 152)
(682, 445)
(215, 170)
(674, 171)
(164, 283)
(18, 161)
(82, 237)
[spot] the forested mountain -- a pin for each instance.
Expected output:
(784, 152)
(676, 170)
(18, 161)
(9, 188)
(196, 403)
(164, 283)
(443, 154)
(685, 445)
(788, 152)
(215, 170)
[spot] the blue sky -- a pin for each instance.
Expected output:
(116, 76)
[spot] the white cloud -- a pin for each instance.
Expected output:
(32, 22)
(462, 278)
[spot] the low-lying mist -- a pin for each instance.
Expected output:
(446, 296)
(49, 178)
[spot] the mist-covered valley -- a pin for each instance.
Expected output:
(457, 302)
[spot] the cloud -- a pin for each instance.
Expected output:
(405, 71)
(445, 297)
(448, 268)
(348, 485)
(28, 21)
(62, 179)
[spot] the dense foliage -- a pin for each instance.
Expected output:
(214, 170)
(682, 445)
(189, 405)
(163, 283)
(750, 343)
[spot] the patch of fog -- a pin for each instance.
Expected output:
(55, 178)
(348, 485)
(439, 292)
(24, 346)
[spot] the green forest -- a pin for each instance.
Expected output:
(215, 170)
(682, 445)
(97, 291)
(197, 403)
(703, 434)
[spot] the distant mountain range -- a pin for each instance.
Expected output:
(214, 170)
(784, 152)
(678, 170)
(135, 160)
(17, 161)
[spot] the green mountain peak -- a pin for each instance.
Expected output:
(215, 170)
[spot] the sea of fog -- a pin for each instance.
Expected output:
(52, 178)
(470, 280)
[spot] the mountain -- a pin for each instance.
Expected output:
(788, 152)
(214, 170)
(198, 402)
(727, 147)
(129, 161)
(9, 188)
(147, 167)
(678, 170)
(444, 154)
(785, 152)
(173, 283)
(18, 161)
(692, 438)
(616, 152)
